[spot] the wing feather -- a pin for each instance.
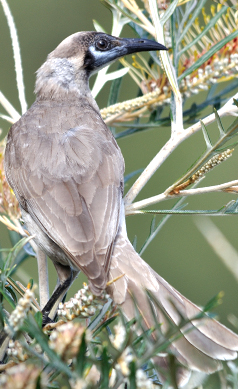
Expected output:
(68, 176)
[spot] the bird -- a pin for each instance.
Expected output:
(67, 172)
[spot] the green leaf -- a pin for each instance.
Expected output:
(235, 102)
(99, 317)
(38, 383)
(11, 293)
(214, 302)
(231, 207)
(107, 4)
(206, 136)
(8, 298)
(115, 89)
(134, 243)
(169, 11)
(15, 286)
(38, 318)
(132, 376)
(179, 204)
(14, 237)
(105, 369)
(98, 27)
(19, 246)
(219, 124)
(205, 57)
(104, 325)
(142, 127)
(152, 225)
(2, 317)
(132, 174)
(80, 359)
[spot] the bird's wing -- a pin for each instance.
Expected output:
(66, 173)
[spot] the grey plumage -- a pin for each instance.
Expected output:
(66, 170)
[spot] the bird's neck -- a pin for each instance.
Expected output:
(57, 79)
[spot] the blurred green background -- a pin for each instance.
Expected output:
(179, 253)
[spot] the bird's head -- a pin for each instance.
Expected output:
(94, 50)
(84, 53)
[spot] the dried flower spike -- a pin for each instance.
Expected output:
(207, 167)
(213, 162)
(16, 352)
(22, 376)
(66, 339)
(84, 304)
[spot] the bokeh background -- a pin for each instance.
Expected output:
(179, 253)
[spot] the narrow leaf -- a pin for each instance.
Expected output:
(162, 222)
(190, 22)
(11, 294)
(100, 316)
(80, 359)
(104, 325)
(38, 318)
(205, 30)
(219, 123)
(134, 243)
(152, 226)
(206, 136)
(132, 376)
(132, 174)
(105, 368)
(115, 89)
(169, 11)
(98, 27)
(213, 303)
(8, 298)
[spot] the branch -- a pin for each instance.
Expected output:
(130, 209)
(176, 138)
(43, 277)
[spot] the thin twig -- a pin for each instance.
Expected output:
(43, 277)
(189, 192)
(16, 56)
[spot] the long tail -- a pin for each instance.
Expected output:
(201, 348)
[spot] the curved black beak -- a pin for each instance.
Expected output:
(134, 45)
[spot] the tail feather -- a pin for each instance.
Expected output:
(205, 342)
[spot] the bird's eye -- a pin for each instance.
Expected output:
(102, 44)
